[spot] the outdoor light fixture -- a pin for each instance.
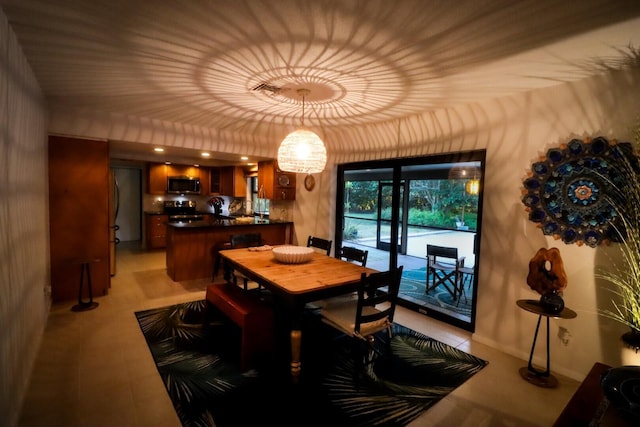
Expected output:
(302, 151)
(472, 187)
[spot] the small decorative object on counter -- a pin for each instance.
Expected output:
(216, 203)
(548, 278)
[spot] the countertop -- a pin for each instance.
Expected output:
(224, 223)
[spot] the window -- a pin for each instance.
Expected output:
(260, 205)
(414, 202)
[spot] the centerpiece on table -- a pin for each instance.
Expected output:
(216, 203)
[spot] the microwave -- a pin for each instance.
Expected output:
(183, 185)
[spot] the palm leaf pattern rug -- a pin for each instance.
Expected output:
(199, 365)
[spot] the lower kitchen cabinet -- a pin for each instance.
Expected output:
(156, 231)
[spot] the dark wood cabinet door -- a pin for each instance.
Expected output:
(78, 215)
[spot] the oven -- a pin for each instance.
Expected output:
(185, 218)
(182, 211)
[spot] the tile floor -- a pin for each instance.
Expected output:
(94, 368)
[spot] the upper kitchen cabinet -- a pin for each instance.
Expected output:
(276, 184)
(183, 170)
(78, 216)
(156, 178)
(157, 174)
(228, 181)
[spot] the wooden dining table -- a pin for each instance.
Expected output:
(295, 285)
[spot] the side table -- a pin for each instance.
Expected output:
(531, 374)
(84, 266)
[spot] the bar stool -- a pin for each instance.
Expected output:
(85, 264)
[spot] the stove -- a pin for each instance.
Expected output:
(181, 211)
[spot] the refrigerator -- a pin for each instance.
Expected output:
(114, 207)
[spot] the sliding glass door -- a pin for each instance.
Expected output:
(415, 202)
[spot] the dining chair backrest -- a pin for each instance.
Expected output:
(352, 254)
(320, 243)
(370, 313)
(246, 240)
(370, 317)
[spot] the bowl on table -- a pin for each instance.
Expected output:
(292, 254)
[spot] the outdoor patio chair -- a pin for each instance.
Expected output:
(443, 268)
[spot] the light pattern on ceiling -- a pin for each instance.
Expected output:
(367, 63)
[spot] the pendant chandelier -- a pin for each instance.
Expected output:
(302, 151)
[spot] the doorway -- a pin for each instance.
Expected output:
(129, 218)
(415, 202)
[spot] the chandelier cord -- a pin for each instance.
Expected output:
(303, 110)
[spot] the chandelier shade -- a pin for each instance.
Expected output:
(302, 151)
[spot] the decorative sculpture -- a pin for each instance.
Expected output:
(548, 278)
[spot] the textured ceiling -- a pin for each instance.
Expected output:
(235, 66)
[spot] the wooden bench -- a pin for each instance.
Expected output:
(254, 317)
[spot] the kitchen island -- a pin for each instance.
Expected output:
(192, 246)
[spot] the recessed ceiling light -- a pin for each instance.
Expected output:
(244, 158)
(205, 154)
(158, 149)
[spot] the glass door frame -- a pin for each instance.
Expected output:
(398, 169)
(402, 234)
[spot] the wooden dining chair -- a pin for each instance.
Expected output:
(350, 254)
(247, 240)
(356, 255)
(444, 268)
(320, 243)
(372, 312)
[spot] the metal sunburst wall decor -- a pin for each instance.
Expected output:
(569, 192)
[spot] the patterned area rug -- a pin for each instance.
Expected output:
(413, 284)
(200, 369)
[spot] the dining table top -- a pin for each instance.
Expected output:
(319, 274)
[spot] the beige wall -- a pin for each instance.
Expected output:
(24, 229)
(515, 131)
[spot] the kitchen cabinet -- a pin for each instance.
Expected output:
(183, 170)
(79, 203)
(156, 178)
(228, 181)
(215, 181)
(157, 174)
(156, 231)
(276, 184)
(189, 248)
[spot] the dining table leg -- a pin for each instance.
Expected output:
(296, 365)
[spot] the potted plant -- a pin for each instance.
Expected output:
(623, 278)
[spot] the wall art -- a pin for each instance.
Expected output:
(570, 192)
